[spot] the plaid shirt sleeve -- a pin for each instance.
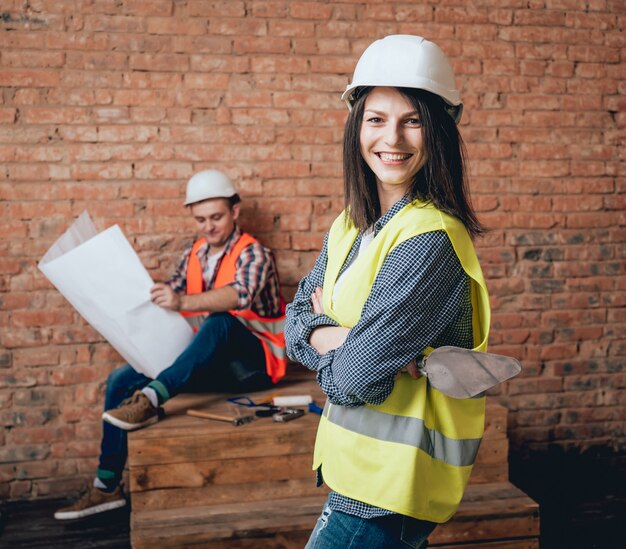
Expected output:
(178, 280)
(252, 271)
(419, 291)
(301, 320)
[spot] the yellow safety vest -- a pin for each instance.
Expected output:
(413, 453)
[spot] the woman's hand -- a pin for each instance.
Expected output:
(411, 369)
(163, 296)
(317, 299)
(329, 338)
(325, 338)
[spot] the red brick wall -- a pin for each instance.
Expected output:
(110, 105)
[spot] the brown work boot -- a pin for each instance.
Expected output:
(93, 501)
(133, 413)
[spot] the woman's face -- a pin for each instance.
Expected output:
(391, 137)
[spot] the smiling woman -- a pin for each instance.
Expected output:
(386, 122)
(397, 276)
(391, 140)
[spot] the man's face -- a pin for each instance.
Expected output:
(215, 220)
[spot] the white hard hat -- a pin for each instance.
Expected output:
(406, 61)
(208, 184)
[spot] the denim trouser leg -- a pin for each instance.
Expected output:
(223, 356)
(337, 530)
(121, 384)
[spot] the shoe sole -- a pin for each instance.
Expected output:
(69, 515)
(128, 426)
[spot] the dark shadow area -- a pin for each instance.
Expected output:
(30, 524)
(582, 496)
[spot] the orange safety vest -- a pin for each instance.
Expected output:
(268, 330)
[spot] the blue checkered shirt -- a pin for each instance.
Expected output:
(420, 298)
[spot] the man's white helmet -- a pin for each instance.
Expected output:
(208, 184)
(406, 61)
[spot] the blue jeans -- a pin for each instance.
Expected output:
(337, 530)
(223, 356)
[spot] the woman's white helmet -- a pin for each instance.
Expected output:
(208, 184)
(406, 61)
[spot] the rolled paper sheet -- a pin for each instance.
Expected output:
(292, 400)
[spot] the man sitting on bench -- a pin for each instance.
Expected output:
(227, 287)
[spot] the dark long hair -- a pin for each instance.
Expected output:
(442, 181)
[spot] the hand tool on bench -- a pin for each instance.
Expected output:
(236, 421)
(265, 406)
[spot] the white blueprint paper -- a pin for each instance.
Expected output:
(103, 278)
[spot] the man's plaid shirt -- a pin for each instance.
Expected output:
(256, 278)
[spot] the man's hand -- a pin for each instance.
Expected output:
(163, 296)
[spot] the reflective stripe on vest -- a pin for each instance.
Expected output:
(405, 430)
(268, 330)
(195, 285)
(413, 453)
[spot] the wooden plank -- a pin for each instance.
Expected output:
(182, 474)
(494, 491)
(214, 440)
(489, 528)
(181, 402)
(491, 462)
(217, 440)
(486, 474)
(217, 472)
(494, 512)
(531, 543)
(225, 493)
(308, 506)
(187, 444)
(278, 523)
(471, 511)
(175, 427)
(511, 507)
(194, 537)
(491, 512)
(495, 420)
(180, 424)
(169, 440)
(493, 450)
(189, 476)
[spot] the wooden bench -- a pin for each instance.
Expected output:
(196, 482)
